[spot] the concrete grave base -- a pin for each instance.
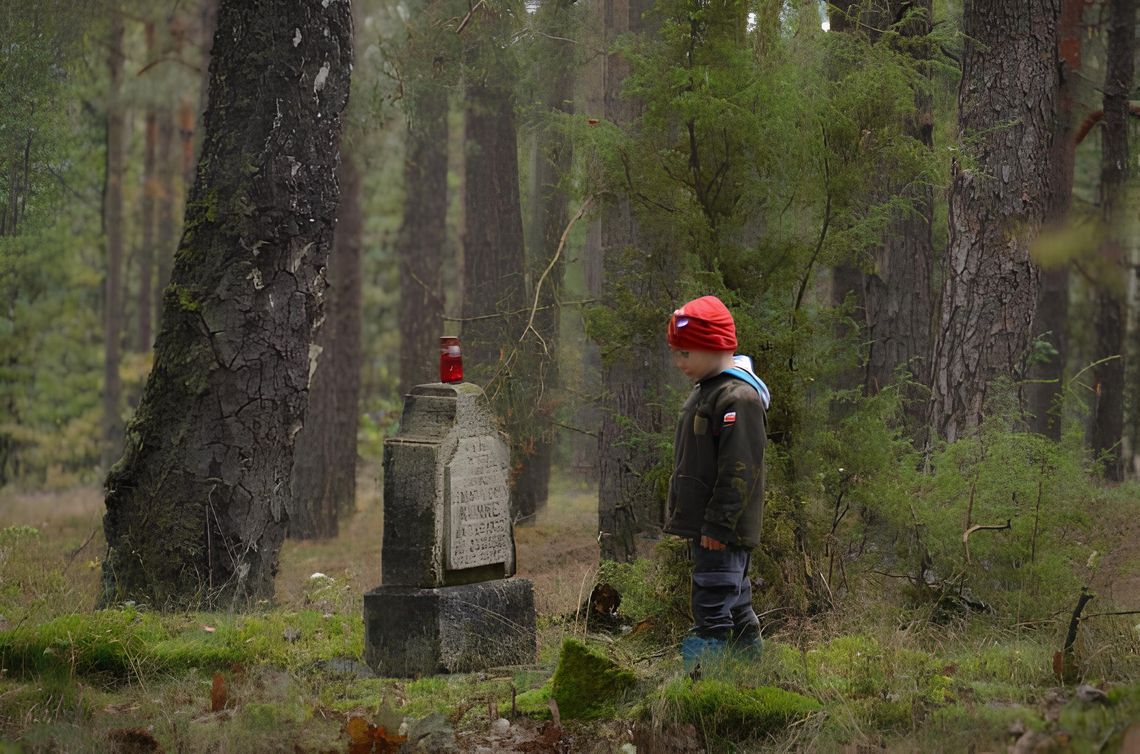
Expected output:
(410, 631)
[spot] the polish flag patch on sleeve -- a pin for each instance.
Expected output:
(729, 419)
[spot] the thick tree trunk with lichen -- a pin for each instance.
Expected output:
(1007, 105)
(196, 506)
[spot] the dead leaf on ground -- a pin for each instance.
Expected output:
(1130, 744)
(643, 626)
(133, 741)
(1034, 742)
(366, 738)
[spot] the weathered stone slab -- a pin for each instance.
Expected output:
(446, 493)
(410, 631)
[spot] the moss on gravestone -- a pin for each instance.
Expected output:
(587, 684)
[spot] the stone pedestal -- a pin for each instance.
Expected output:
(452, 629)
(447, 603)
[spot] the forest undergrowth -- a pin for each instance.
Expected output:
(883, 666)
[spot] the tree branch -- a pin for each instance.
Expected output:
(982, 527)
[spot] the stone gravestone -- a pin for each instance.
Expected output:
(447, 602)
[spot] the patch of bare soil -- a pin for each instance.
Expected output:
(1117, 580)
(558, 552)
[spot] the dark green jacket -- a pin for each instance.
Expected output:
(717, 488)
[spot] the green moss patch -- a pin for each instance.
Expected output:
(125, 643)
(725, 710)
(586, 685)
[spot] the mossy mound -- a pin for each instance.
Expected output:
(725, 710)
(587, 684)
(126, 642)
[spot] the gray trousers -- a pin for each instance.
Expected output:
(722, 593)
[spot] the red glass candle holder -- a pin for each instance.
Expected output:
(450, 359)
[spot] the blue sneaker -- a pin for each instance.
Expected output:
(694, 648)
(749, 644)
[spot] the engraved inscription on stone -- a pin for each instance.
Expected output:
(479, 504)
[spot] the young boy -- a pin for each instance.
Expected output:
(716, 494)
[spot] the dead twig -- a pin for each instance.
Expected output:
(77, 550)
(470, 14)
(1075, 622)
(1115, 612)
(982, 527)
(553, 261)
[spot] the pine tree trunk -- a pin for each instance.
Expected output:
(1007, 104)
(895, 301)
(147, 253)
(633, 374)
(113, 229)
(1108, 418)
(196, 507)
(324, 465)
(164, 219)
(1051, 320)
(494, 290)
(423, 233)
(549, 215)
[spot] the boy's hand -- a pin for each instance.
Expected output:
(709, 543)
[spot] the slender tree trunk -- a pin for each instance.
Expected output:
(324, 465)
(113, 229)
(196, 507)
(549, 216)
(632, 375)
(900, 292)
(164, 214)
(1007, 104)
(1108, 418)
(1051, 320)
(494, 290)
(423, 233)
(147, 208)
(894, 302)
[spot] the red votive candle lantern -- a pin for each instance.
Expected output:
(450, 359)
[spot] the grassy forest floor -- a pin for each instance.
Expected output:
(877, 673)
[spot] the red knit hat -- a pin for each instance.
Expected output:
(703, 324)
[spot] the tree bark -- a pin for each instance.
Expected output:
(552, 158)
(164, 214)
(113, 230)
(147, 252)
(1007, 104)
(1108, 417)
(422, 236)
(1051, 320)
(894, 302)
(633, 373)
(900, 290)
(324, 465)
(196, 507)
(494, 289)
